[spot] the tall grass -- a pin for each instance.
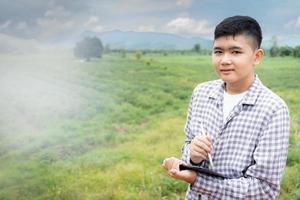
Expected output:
(129, 115)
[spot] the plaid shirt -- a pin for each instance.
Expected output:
(250, 147)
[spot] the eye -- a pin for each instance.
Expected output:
(217, 52)
(236, 52)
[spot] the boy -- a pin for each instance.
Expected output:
(247, 123)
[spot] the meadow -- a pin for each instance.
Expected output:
(100, 129)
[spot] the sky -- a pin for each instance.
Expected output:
(43, 20)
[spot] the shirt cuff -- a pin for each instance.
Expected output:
(192, 163)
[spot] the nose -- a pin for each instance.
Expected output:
(226, 59)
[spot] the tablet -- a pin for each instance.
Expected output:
(201, 170)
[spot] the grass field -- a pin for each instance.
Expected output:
(100, 129)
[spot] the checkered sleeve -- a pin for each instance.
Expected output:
(262, 179)
(187, 129)
(188, 133)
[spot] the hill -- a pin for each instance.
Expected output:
(147, 40)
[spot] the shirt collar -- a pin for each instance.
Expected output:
(253, 92)
(251, 95)
(217, 92)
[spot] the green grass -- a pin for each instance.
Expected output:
(112, 123)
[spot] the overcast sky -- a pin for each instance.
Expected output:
(43, 20)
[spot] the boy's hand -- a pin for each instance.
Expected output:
(200, 147)
(172, 165)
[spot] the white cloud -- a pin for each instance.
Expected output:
(56, 21)
(93, 24)
(52, 27)
(187, 25)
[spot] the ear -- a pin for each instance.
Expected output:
(259, 53)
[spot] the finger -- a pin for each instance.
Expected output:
(167, 163)
(202, 139)
(206, 140)
(202, 155)
(204, 136)
(198, 152)
(175, 164)
(202, 144)
(174, 173)
(164, 164)
(209, 138)
(203, 149)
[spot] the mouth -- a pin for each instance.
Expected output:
(226, 71)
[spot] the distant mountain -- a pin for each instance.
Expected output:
(147, 40)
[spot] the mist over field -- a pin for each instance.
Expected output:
(34, 87)
(39, 90)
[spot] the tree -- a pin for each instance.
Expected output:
(197, 48)
(297, 51)
(89, 47)
(286, 51)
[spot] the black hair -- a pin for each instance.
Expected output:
(237, 25)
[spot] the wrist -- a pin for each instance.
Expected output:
(192, 178)
(195, 162)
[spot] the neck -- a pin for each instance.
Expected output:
(236, 88)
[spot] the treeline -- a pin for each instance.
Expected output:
(196, 49)
(285, 51)
(92, 47)
(162, 51)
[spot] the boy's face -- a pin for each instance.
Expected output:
(234, 59)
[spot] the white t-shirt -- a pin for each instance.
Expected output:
(229, 101)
